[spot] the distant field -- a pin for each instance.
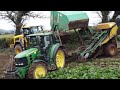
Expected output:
(7, 36)
(6, 40)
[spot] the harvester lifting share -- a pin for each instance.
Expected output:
(99, 39)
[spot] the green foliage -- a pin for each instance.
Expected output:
(6, 36)
(98, 69)
(6, 40)
(6, 33)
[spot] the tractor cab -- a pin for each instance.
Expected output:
(41, 40)
(31, 30)
(44, 53)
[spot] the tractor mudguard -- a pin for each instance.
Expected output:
(53, 51)
(35, 61)
(43, 61)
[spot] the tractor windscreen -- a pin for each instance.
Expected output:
(26, 31)
(35, 30)
(35, 41)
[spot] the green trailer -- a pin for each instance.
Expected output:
(68, 20)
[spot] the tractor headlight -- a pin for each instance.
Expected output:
(21, 62)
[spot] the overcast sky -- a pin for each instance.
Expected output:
(30, 22)
(93, 18)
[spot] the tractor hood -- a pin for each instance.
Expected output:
(26, 53)
(68, 20)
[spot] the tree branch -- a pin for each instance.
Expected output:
(19, 17)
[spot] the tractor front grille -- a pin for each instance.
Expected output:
(21, 62)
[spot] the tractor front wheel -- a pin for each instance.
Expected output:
(18, 49)
(59, 58)
(37, 70)
(110, 49)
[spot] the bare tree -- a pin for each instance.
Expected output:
(115, 15)
(105, 13)
(18, 17)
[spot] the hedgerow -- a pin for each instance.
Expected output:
(6, 41)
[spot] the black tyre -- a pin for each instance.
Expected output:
(18, 48)
(37, 70)
(110, 49)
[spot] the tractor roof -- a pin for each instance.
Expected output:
(29, 26)
(41, 34)
(25, 27)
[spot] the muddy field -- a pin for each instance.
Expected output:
(5, 55)
(5, 60)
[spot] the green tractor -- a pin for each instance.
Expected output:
(45, 53)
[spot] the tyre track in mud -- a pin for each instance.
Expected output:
(4, 61)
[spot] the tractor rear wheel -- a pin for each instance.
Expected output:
(59, 58)
(110, 49)
(37, 70)
(18, 48)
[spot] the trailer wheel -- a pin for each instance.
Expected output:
(59, 58)
(110, 49)
(37, 70)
